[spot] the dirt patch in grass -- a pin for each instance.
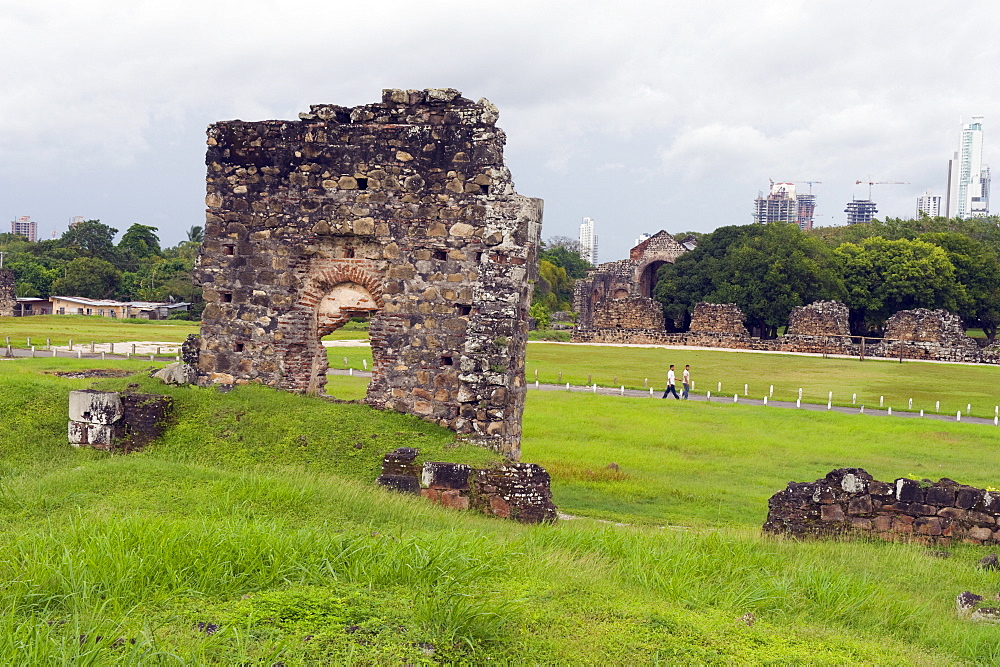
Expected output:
(94, 373)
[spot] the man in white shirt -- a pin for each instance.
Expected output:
(686, 381)
(671, 389)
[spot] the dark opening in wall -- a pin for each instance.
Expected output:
(348, 253)
(362, 183)
(226, 297)
(228, 250)
(440, 255)
(464, 309)
(446, 360)
(479, 257)
(485, 189)
(239, 347)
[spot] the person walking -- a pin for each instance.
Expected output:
(671, 389)
(686, 381)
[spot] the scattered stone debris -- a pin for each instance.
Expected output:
(990, 562)
(748, 619)
(207, 628)
(849, 501)
(116, 421)
(967, 606)
(518, 491)
(178, 373)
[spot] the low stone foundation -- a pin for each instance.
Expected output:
(518, 491)
(116, 421)
(849, 501)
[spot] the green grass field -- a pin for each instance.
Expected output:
(252, 533)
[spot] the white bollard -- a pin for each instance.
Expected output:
(881, 401)
(364, 362)
(53, 353)
(771, 391)
(765, 401)
(862, 411)
(921, 413)
(736, 398)
(350, 371)
(996, 411)
(968, 408)
(800, 393)
(854, 399)
(829, 397)
(128, 355)
(623, 390)
(937, 406)
(958, 416)
(79, 354)
(595, 388)
(889, 411)
(177, 358)
(103, 353)
(567, 386)
(798, 402)
(536, 385)
(32, 350)
(746, 389)
(720, 386)
(651, 392)
(996, 421)
(829, 405)
(152, 357)
(708, 395)
(909, 405)
(345, 362)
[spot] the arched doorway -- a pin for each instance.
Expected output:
(647, 278)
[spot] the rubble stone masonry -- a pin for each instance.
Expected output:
(8, 297)
(820, 318)
(725, 318)
(849, 501)
(403, 211)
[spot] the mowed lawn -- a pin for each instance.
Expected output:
(82, 329)
(716, 464)
(954, 385)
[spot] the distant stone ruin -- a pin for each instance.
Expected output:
(849, 501)
(820, 318)
(402, 211)
(619, 295)
(8, 296)
(718, 318)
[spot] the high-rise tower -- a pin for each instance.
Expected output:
(588, 241)
(968, 177)
(783, 204)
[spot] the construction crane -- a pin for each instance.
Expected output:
(810, 183)
(871, 183)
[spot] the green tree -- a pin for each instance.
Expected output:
(977, 270)
(137, 243)
(883, 276)
(88, 277)
(196, 234)
(565, 252)
(91, 238)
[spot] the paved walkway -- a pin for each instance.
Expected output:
(814, 407)
(122, 351)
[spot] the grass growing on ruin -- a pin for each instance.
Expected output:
(233, 541)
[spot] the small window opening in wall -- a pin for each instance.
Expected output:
(228, 250)
(362, 183)
(440, 255)
(349, 252)
(239, 347)
(227, 297)
(446, 360)
(485, 189)
(479, 257)
(464, 309)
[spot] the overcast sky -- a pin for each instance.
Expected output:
(642, 115)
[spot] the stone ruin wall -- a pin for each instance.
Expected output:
(820, 318)
(849, 501)
(630, 313)
(723, 318)
(932, 335)
(8, 297)
(116, 421)
(517, 491)
(402, 211)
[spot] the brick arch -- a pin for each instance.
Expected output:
(305, 362)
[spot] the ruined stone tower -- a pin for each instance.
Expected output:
(8, 297)
(403, 211)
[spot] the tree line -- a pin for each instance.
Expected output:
(876, 269)
(85, 261)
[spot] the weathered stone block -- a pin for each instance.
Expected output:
(446, 476)
(95, 407)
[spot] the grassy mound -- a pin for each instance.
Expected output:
(252, 534)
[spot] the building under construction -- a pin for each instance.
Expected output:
(860, 211)
(783, 204)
